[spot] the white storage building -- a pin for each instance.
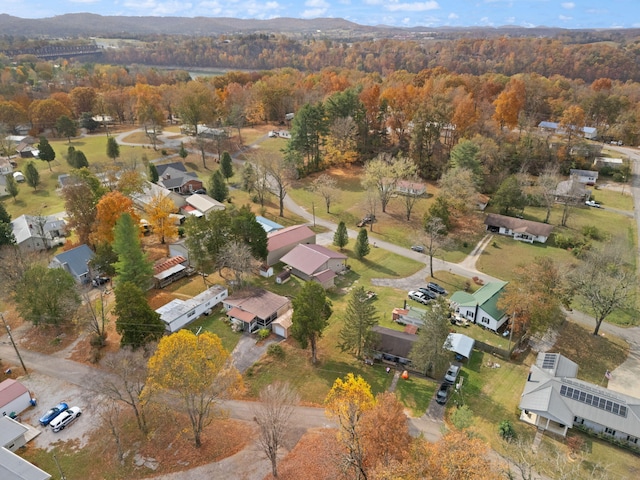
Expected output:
(179, 313)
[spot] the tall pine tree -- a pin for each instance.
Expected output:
(226, 165)
(360, 317)
(341, 237)
(132, 265)
(218, 187)
(137, 322)
(362, 247)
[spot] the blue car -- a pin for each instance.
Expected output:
(53, 413)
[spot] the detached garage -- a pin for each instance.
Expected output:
(14, 397)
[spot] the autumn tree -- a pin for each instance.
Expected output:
(81, 195)
(430, 353)
(510, 103)
(66, 127)
(108, 210)
(132, 265)
(546, 189)
(96, 314)
(236, 257)
(137, 323)
(605, 281)
(197, 104)
(325, 186)
(311, 312)
(46, 295)
(572, 122)
(277, 402)
(131, 182)
(197, 371)
(383, 174)
(46, 153)
(347, 402)
(356, 335)
(44, 113)
(341, 237)
(362, 247)
(32, 175)
(226, 165)
(113, 149)
(458, 189)
(159, 211)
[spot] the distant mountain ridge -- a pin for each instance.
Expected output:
(89, 24)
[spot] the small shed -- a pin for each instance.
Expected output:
(461, 344)
(282, 324)
(14, 397)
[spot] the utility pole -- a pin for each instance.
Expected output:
(55, 459)
(14, 343)
(313, 208)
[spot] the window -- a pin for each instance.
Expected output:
(631, 439)
(485, 320)
(609, 431)
(191, 313)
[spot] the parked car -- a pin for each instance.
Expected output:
(434, 287)
(418, 297)
(65, 418)
(97, 281)
(431, 295)
(592, 203)
(200, 191)
(417, 248)
(442, 395)
(53, 413)
(452, 374)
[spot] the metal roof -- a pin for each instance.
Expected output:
(13, 467)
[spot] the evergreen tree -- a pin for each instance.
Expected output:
(246, 229)
(6, 232)
(430, 353)
(362, 247)
(248, 177)
(76, 158)
(66, 127)
(113, 149)
(360, 317)
(226, 165)
(4, 215)
(311, 312)
(87, 121)
(509, 196)
(32, 175)
(12, 186)
(341, 237)
(46, 152)
(137, 323)
(218, 187)
(153, 173)
(182, 153)
(132, 265)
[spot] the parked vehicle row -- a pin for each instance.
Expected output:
(424, 295)
(60, 416)
(442, 395)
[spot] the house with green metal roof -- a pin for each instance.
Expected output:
(481, 306)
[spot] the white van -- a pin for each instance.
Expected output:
(65, 418)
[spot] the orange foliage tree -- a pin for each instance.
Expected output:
(109, 209)
(159, 211)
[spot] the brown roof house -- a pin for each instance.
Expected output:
(519, 229)
(315, 262)
(174, 177)
(255, 308)
(14, 397)
(281, 242)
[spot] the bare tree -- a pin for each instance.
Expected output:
(571, 197)
(14, 263)
(96, 314)
(547, 184)
(277, 402)
(435, 238)
(410, 197)
(126, 381)
(325, 186)
(236, 256)
(109, 412)
(605, 280)
(281, 173)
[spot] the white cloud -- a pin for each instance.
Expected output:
(373, 2)
(155, 8)
(412, 7)
(565, 18)
(568, 5)
(84, 1)
(453, 16)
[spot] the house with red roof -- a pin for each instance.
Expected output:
(315, 262)
(281, 242)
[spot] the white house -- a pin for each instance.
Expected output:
(407, 187)
(37, 233)
(608, 162)
(588, 177)
(481, 306)
(518, 228)
(179, 313)
(555, 400)
(14, 397)
(204, 203)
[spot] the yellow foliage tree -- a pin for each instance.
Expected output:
(347, 401)
(108, 211)
(159, 211)
(510, 103)
(197, 370)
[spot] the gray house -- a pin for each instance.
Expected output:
(76, 262)
(35, 233)
(555, 400)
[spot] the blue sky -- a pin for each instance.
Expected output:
(408, 13)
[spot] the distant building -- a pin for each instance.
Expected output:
(518, 228)
(589, 133)
(588, 177)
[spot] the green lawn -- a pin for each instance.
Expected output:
(614, 199)
(216, 323)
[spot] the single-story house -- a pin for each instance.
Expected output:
(461, 345)
(409, 316)
(268, 225)
(587, 132)
(393, 345)
(281, 325)
(174, 177)
(554, 399)
(203, 203)
(76, 262)
(588, 177)
(14, 397)
(281, 242)
(608, 162)
(518, 228)
(13, 434)
(255, 308)
(169, 271)
(151, 191)
(37, 233)
(13, 467)
(571, 190)
(315, 262)
(481, 306)
(407, 187)
(482, 201)
(179, 313)
(26, 150)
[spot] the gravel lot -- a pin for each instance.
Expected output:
(49, 392)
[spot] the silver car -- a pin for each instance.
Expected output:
(65, 418)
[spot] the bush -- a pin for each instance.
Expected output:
(275, 351)
(462, 417)
(592, 232)
(565, 242)
(163, 152)
(506, 430)
(264, 333)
